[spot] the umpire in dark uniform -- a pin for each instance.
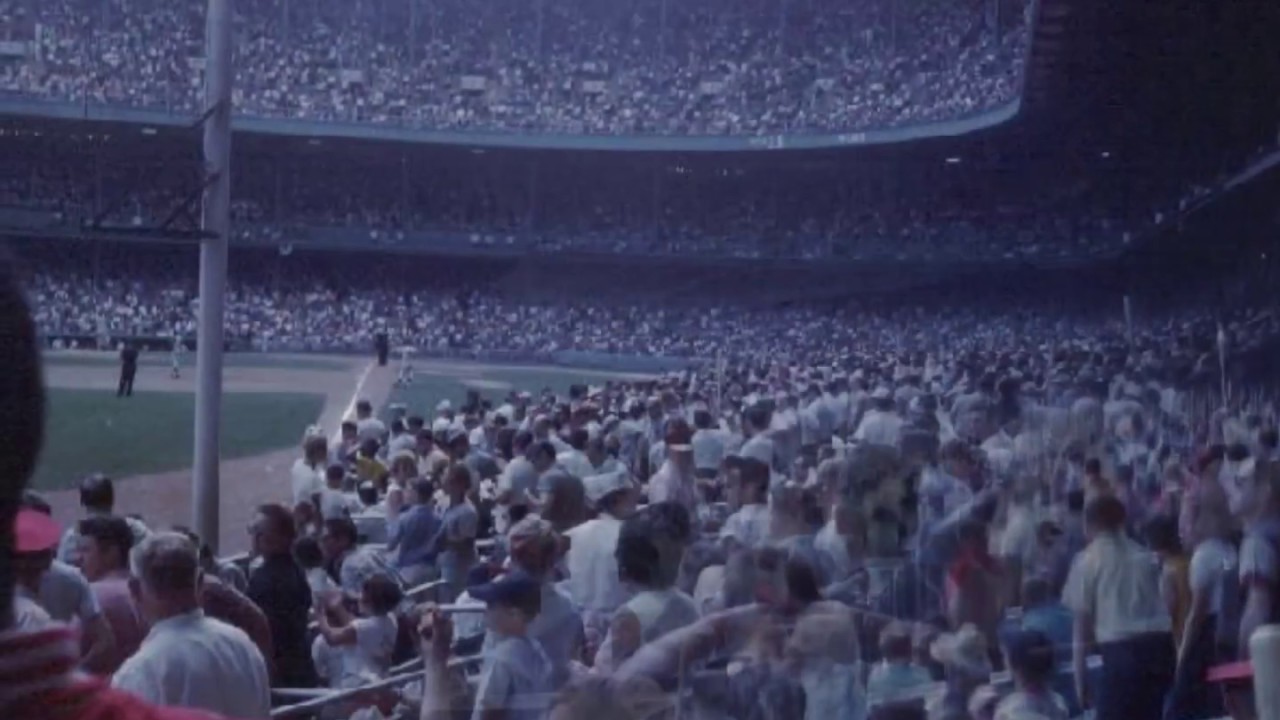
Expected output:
(128, 369)
(383, 347)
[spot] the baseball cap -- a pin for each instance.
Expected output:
(600, 486)
(35, 531)
(1029, 650)
(514, 588)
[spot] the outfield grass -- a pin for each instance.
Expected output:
(93, 431)
(243, 360)
(427, 391)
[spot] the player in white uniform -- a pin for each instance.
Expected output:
(405, 375)
(175, 356)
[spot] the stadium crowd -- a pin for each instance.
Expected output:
(920, 522)
(321, 303)
(710, 67)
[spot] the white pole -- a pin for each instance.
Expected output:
(1128, 318)
(1222, 362)
(213, 270)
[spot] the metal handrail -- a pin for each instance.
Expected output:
(402, 674)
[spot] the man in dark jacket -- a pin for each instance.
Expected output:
(128, 369)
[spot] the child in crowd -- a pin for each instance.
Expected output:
(351, 651)
(895, 673)
(455, 543)
(517, 680)
(1030, 658)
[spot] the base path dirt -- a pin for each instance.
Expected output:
(164, 499)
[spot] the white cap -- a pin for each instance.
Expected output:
(598, 486)
(444, 406)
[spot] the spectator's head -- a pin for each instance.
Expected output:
(334, 476)
(535, 546)
(702, 419)
(747, 482)
(421, 491)
(511, 603)
(404, 466)
(350, 431)
(166, 575)
(426, 442)
(543, 455)
(565, 504)
(36, 537)
(307, 552)
(97, 494)
(415, 424)
(520, 443)
(1161, 534)
(369, 448)
(105, 542)
(1030, 657)
(1075, 501)
(338, 537)
(1093, 467)
(272, 530)
(380, 595)
(315, 449)
(1104, 515)
(1036, 591)
(651, 545)
(612, 493)
(756, 418)
(578, 439)
(895, 642)
(595, 450)
(364, 409)
(457, 482)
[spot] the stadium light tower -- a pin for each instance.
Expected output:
(216, 222)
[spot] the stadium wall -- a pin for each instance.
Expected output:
(20, 106)
(645, 364)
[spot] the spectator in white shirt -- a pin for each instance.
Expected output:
(307, 474)
(747, 491)
(97, 497)
(369, 427)
(593, 569)
(881, 425)
(708, 445)
(1114, 591)
(755, 425)
(353, 650)
(574, 460)
(189, 660)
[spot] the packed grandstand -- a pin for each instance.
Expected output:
(974, 428)
(710, 67)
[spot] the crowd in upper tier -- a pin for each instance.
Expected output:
(709, 67)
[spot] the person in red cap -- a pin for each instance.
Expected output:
(34, 535)
(40, 680)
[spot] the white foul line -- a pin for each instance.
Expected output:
(351, 406)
